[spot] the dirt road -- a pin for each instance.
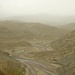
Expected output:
(35, 68)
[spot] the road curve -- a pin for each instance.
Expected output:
(35, 68)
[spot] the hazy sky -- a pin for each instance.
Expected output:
(21, 7)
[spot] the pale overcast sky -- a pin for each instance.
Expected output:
(23, 7)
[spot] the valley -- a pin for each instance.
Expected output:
(36, 49)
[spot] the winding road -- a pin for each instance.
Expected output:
(35, 68)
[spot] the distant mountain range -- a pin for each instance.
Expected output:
(44, 18)
(69, 27)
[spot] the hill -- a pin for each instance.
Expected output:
(20, 46)
(44, 18)
(63, 54)
(30, 30)
(10, 66)
(69, 27)
(65, 44)
(65, 48)
(25, 37)
(61, 48)
(21, 36)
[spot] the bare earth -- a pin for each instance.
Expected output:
(35, 68)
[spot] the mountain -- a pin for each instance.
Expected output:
(65, 48)
(66, 44)
(60, 48)
(44, 18)
(70, 27)
(29, 30)
(63, 54)
(21, 36)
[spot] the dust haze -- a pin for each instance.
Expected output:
(54, 12)
(37, 37)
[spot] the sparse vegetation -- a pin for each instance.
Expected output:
(34, 41)
(10, 66)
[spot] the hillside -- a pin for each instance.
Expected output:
(65, 44)
(15, 46)
(69, 27)
(10, 66)
(21, 36)
(36, 41)
(62, 54)
(61, 48)
(29, 30)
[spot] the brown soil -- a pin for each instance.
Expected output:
(1, 73)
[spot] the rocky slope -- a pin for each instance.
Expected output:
(69, 27)
(10, 66)
(29, 30)
(65, 44)
(20, 36)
